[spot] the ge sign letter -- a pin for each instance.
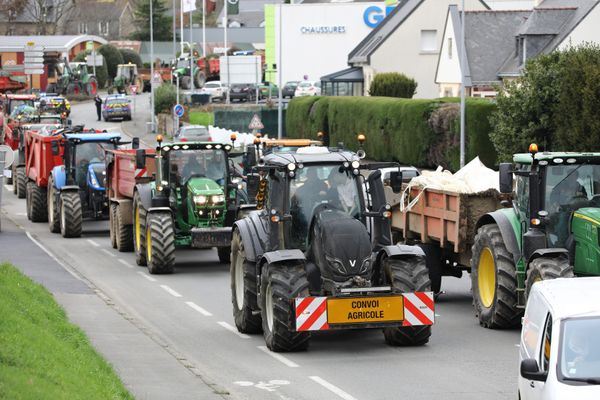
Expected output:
(374, 15)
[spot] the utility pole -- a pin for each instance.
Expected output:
(152, 66)
(226, 18)
(174, 30)
(279, 71)
(191, 57)
(204, 29)
(462, 86)
(181, 26)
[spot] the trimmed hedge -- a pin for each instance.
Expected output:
(396, 129)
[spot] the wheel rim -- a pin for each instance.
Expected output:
(148, 245)
(269, 306)
(76, 90)
(94, 87)
(486, 271)
(239, 281)
(138, 234)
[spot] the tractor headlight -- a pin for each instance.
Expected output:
(94, 180)
(200, 200)
(217, 199)
(291, 167)
(355, 164)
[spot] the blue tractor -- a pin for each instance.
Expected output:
(76, 189)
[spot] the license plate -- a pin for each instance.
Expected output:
(361, 310)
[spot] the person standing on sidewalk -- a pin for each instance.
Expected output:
(98, 102)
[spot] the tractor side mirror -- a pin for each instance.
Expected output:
(140, 159)
(135, 143)
(506, 178)
(396, 181)
(252, 185)
(531, 371)
(55, 148)
(251, 156)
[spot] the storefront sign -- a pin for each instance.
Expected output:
(323, 29)
(373, 15)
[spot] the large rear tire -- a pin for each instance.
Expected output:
(37, 203)
(53, 210)
(494, 280)
(139, 231)
(160, 243)
(244, 292)
(199, 79)
(543, 268)
(21, 183)
(91, 88)
(124, 233)
(71, 216)
(407, 276)
(280, 285)
(112, 216)
(185, 82)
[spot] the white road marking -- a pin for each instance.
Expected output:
(198, 308)
(9, 187)
(233, 330)
(21, 214)
(270, 386)
(278, 357)
(125, 263)
(52, 256)
(332, 388)
(437, 315)
(151, 279)
(170, 291)
(90, 241)
(110, 253)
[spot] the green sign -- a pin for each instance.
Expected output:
(89, 45)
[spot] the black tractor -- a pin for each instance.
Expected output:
(317, 254)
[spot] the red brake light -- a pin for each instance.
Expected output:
(183, 140)
(209, 139)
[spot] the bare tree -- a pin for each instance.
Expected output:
(48, 14)
(11, 9)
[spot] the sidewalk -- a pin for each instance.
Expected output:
(145, 367)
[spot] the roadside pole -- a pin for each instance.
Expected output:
(191, 57)
(225, 20)
(181, 27)
(462, 87)
(175, 117)
(153, 123)
(174, 30)
(279, 70)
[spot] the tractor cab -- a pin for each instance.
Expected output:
(127, 75)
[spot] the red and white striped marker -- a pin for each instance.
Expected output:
(141, 172)
(311, 314)
(419, 309)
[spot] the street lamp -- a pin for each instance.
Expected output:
(152, 66)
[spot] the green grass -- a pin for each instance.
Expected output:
(43, 355)
(202, 118)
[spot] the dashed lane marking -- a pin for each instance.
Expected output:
(125, 263)
(198, 308)
(151, 279)
(170, 291)
(278, 357)
(332, 388)
(110, 253)
(233, 330)
(90, 241)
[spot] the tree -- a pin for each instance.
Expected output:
(161, 21)
(130, 56)
(11, 10)
(113, 58)
(393, 84)
(47, 14)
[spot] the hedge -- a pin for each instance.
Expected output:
(397, 129)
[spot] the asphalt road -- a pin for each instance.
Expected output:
(189, 315)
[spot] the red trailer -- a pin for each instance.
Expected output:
(121, 179)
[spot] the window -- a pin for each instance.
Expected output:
(450, 48)
(546, 344)
(103, 28)
(83, 28)
(428, 41)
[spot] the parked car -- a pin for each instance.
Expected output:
(116, 106)
(243, 92)
(193, 133)
(559, 354)
(268, 89)
(308, 88)
(289, 89)
(216, 89)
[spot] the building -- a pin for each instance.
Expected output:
(34, 17)
(110, 19)
(499, 51)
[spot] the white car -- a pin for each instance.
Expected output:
(560, 352)
(216, 89)
(308, 88)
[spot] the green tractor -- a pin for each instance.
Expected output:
(127, 75)
(551, 230)
(192, 202)
(180, 71)
(74, 79)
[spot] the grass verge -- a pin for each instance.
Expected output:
(202, 118)
(43, 355)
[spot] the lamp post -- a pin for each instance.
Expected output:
(279, 70)
(152, 67)
(462, 86)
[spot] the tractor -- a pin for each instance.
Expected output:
(127, 75)
(192, 202)
(316, 253)
(180, 71)
(74, 79)
(551, 229)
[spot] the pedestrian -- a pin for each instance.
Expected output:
(98, 102)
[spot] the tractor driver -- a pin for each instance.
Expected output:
(342, 191)
(566, 197)
(192, 167)
(304, 201)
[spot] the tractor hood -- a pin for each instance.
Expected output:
(96, 176)
(591, 214)
(341, 246)
(203, 186)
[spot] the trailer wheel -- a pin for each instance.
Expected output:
(139, 231)
(406, 276)
(20, 188)
(53, 210)
(244, 293)
(544, 268)
(433, 257)
(160, 243)
(71, 218)
(224, 254)
(123, 233)
(494, 280)
(280, 284)
(112, 216)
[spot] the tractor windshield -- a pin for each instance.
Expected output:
(86, 154)
(207, 163)
(183, 64)
(315, 185)
(568, 188)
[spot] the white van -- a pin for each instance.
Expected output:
(560, 341)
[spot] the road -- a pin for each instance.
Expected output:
(189, 315)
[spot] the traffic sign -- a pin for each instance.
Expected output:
(34, 71)
(157, 78)
(33, 54)
(256, 123)
(89, 45)
(34, 59)
(178, 109)
(133, 88)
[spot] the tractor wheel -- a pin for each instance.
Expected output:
(139, 230)
(494, 280)
(407, 276)
(244, 292)
(112, 217)
(53, 210)
(185, 82)
(73, 88)
(199, 79)
(71, 218)
(280, 285)
(123, 233)
(544, 268)
(433, 257)
(91, 87)
(21, 183)
(224, 254)
(37, 203)
(160, 243)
